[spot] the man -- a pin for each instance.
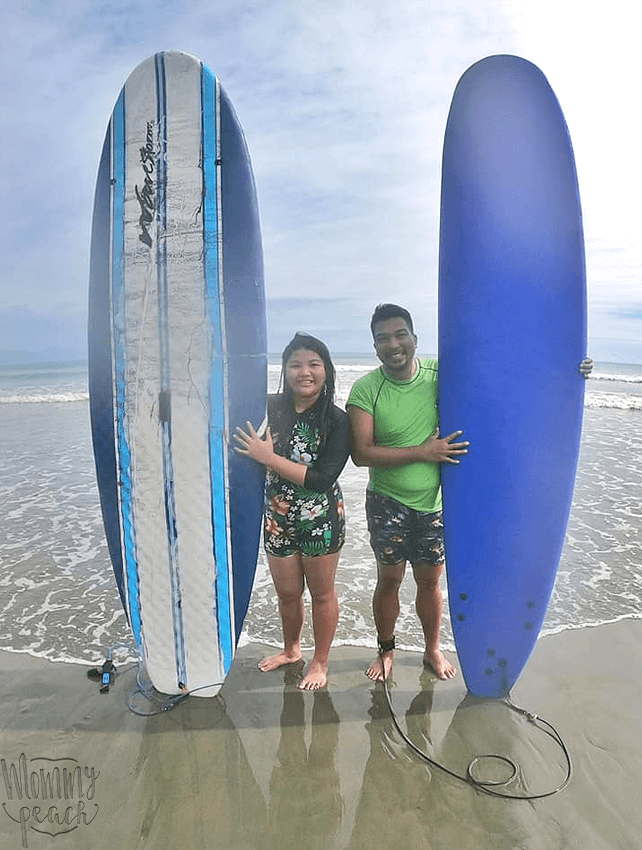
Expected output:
(394, 421)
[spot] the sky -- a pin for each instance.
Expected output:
(344, 105)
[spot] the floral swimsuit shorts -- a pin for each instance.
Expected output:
(302, 521)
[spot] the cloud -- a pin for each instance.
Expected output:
(343, 104)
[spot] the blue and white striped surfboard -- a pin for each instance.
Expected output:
(177, 358)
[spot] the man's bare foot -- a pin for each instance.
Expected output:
(273, 662)
(439, 664)
(380, 668)
(315, 678)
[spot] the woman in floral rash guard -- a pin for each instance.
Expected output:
(305, 448)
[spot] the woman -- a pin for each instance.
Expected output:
(305, 448)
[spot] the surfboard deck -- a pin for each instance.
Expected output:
(177, 357)
(512, 332)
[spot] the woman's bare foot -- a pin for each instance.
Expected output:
(380, 668)
(315, 678)
(439, 664)
(273, 662)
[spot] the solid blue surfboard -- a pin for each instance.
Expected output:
(177, 358)
(512, 332)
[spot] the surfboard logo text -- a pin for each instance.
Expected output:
(146, 195)
(49, 796)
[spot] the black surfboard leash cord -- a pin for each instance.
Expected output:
(165, 702)
(162, 702)
(489, 786)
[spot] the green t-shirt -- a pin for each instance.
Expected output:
(404, 414)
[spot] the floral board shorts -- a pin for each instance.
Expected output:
(399, 533)
(303, 521)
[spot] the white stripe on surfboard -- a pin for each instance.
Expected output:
(165, 402)
(139, 329)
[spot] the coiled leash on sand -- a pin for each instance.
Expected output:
(485, 786)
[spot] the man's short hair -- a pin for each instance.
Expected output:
(383, 312)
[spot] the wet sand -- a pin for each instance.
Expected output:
(266, 766)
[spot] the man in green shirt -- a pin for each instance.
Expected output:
(394, 421)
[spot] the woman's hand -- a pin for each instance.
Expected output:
(251, 445)
(262, 451)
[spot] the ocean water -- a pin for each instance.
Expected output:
(58, 596)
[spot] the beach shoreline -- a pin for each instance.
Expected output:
(63, 603)
(264, 765)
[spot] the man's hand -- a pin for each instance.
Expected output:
(442, 449)
(586, 367)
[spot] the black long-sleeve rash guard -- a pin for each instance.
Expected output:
(326, 466)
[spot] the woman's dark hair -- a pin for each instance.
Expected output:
(383, 312)
(326, 401)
